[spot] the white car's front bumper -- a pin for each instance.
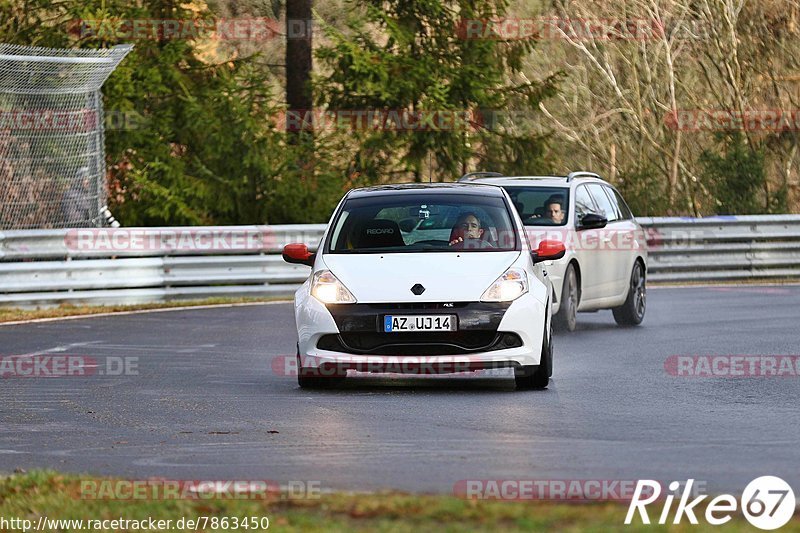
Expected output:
(525, 318)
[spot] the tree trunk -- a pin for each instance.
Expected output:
(298, 58)
(672, 187)
(612, 173)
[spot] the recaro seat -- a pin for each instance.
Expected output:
(379, 233)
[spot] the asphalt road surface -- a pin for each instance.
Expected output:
(203, 400)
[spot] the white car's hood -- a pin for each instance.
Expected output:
(447, 277)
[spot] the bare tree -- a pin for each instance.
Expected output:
(635, 67)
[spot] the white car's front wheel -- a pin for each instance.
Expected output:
(317, 378)
(538, 377)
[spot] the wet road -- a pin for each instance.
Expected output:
(202, 399)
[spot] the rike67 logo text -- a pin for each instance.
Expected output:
(767, 503)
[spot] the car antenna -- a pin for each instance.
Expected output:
(430, 167)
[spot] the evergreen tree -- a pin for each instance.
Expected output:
(415, 57)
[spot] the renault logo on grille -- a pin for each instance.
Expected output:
(417, 289)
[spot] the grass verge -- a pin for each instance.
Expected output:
(57, 496)
(15, 314)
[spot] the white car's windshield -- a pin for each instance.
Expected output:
(415, 222)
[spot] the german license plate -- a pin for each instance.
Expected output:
(399, 323)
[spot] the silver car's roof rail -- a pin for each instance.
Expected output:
(581, 174)
(477, 175)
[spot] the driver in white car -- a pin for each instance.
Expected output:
(468, 227)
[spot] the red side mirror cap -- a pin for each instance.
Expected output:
(298, 253)
(549, 250)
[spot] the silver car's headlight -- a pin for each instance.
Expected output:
(327, 288)
(508, 287)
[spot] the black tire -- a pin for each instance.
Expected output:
(538, 377)
(310, 378)
(567, 317)
(631, 313)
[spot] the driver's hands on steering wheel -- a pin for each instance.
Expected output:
(468, 244)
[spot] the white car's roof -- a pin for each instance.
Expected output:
(534, 181)
(421, 188)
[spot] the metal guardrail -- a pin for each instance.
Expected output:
(724, 248)
(138, 265)
(141, 265)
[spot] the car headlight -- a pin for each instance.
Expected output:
(326, 288)
(508, 287)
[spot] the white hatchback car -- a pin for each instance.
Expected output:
(424, 278)
(605, 264)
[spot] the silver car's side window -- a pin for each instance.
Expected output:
(583, 203)
(623, 207)
(614, 204)
(603, 203)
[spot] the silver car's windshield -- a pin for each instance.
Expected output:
(541, 206)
